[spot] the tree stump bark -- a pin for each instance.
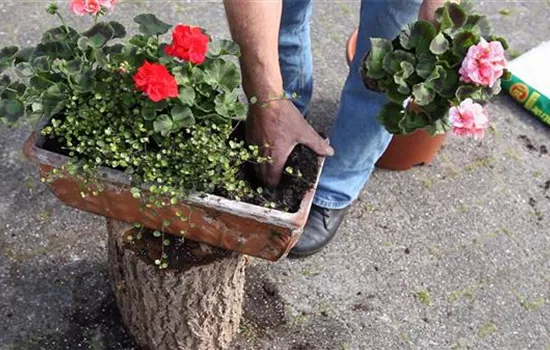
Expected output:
(194, 304)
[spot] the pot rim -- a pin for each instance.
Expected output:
(39, 156)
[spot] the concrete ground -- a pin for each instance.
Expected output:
(455, 255)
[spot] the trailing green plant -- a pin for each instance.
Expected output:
(431, 68)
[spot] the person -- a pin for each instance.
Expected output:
(274, 36)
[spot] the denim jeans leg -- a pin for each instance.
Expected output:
(357, 137)
(295, 52)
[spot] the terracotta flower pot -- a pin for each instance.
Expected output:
(224, 223)
(404, 151)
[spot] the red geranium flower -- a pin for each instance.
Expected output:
(156, 81)
(189, 44)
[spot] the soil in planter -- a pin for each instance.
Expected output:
(181, 254)
(292, 188)
(287, 196)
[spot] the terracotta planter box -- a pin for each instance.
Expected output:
(224, 223)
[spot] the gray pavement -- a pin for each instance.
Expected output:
(455, 255)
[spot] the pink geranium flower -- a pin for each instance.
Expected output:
(92, 7)
(484, 63)
(469, 119)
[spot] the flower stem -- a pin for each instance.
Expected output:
(62, 21)
(45, 79)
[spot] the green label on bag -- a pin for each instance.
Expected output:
(529, 98)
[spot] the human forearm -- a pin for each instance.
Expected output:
(427, 10)
(254, 26)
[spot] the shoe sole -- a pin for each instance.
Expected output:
(294, 255)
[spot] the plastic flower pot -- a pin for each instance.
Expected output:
(224, 223)
(404, 151)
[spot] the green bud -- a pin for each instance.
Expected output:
(52, 8)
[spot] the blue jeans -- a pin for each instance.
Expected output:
(357, 137)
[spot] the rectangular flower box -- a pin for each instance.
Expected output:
(249, 229)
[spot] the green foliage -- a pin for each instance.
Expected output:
(82, 83)
(150, 25)
(423, 63)
(223, 48)
(374, 62)
(439, 45)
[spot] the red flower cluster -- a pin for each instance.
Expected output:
(189, 44)
(156, 81)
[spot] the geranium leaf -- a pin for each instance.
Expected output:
(463, 41)
(478, 24)
(422, 35)
(395, 96)
(456, 14)
(54, 99)
(7, 55)
(4, 82)
(486, 93)
(400, 77)
(163, 124)
(422, 94)
(84, 81)
(425, 65)
(390, 115)
(374, 61)
(182, 116)
(439, 45)
(119, 30)
(59, 34)
(8, 52)
(24, 70)
(405, 37)
(149, 24)
(440, 126)
(447, 86)
(412, 121)
(187, 95)
(222, 74)
(11, 110)
(99, 34)
(501, 40)
(24, 55)
(435, 80)
(149, 112)
(392, 61)
(219, 48)
(465, 91)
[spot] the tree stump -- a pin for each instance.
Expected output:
(193, 304)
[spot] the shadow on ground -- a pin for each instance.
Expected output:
(89, 313)
(92, 318)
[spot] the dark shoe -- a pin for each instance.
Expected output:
(320, 229)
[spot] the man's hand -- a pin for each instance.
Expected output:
(254, 26)
(427, 10)
(277, 127)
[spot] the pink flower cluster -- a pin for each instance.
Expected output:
(469, 119)
(484, 63)
(92, 7)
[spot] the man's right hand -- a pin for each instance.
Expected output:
(276, 128)
(278, 124)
